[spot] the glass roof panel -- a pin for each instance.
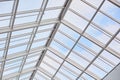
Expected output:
(2, 43)
(26, 18)
(115, 46)
(55, 3)
(17, 49)
(94, 2)
(51, 14)
(59, 48)
(23, 6)
(4, 22)
(86, 77)
(25, 76)
(105, 23)
(6, 6)
(64, 29)
(79, 50)
(79, 59)
(97, 34)
(85, 10)
(59, 39)
(95, 70)
(13, 62)
(75, 20)
(89, 44)
(64, 39)
(40, 75)
(108, 8)
(69, 70)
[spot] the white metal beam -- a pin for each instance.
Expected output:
(23, 53)
(29, 25)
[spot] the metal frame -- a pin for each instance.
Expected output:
(117, 3)
(66, 6)
(76, 42)
(43, 7)
(9, 34)
(43, 49)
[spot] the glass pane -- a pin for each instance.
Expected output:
(13, 62)
(42, 35)
(59, 48)
(97, 71)
(23, 6)
(17, 49)
(80, 51)
(46, 27)
(61, 76)
(38, 44)
(33, 57)
(25, 18)
(111, 10)
(106, 23)
(6, 6)
(110, 57)
(19, 40)
(97, 34)
(103, 65)
(89, 44)
(52, 55)
(64, 39)
(85, 10)
(2, 43)
(69, 31)
(10, 71)
(47, 68)
(86, 77)
(25, 76)
(95, 3)
(67, 73)
(55, 3)
(70, 70)
(1, 54)
(4, 22)
(75, 20)
(115, 46)
(22, 31)
(29, 65)
(78, 60)
(51, 14)
(40, 75)
(50, 61)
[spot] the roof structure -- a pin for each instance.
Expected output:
(59, 39)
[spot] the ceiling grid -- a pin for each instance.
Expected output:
(59, 39)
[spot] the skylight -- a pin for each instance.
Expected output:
(59, 39)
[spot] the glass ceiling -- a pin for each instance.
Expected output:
(59, 39)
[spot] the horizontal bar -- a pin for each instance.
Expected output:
(28, 25)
